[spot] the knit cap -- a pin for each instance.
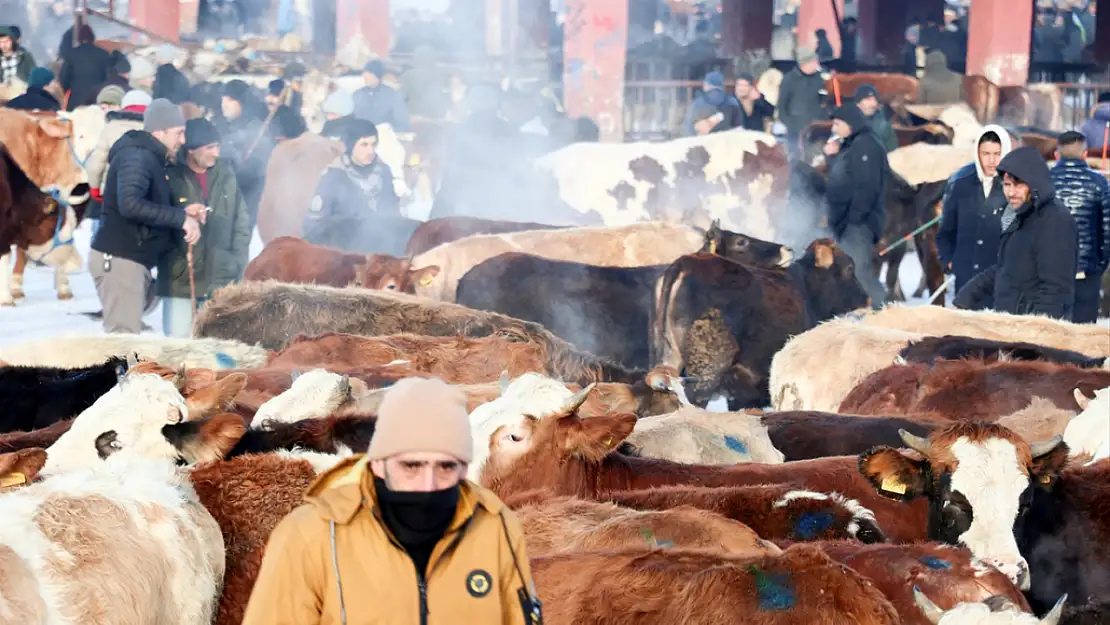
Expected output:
(40, 77)
(421, 415)
(135, 97)
(112, 95)
(162, 115)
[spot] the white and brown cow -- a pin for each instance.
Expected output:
(739, 176)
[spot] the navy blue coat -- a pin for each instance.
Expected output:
(349, 203)
(970, 224)
(1086, 194)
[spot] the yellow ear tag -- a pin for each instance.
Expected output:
(426, 280)
(713, 246)
(607, 442)
(892, 485)
(12, 479)
(1046, 479)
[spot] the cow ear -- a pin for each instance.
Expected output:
(503, 382)
(216, 397)
(207, 440)
(823, 255)
(20, 467)
(892, 473)
(597, 437)
(1049, 458)
(199, 378)
(424, 275)
(55, 128)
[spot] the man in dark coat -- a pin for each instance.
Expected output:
(139, 220)
(378, 103)
(1086, 194)
(84, 69)
(970, 221)
(800, 97)
(36, 97)
(244, 142)
(858, 173)
(867, 99)
(354, 195)
(1038, 253)
(755, 112)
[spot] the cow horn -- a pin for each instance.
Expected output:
(576, 400)
(1036, 450)
(132, 359)
(503, 382)
(1001, 603)
(1053, 617)
(930, 609)
(179, 378)
(916, 443)
(294, 374)
(345, 386)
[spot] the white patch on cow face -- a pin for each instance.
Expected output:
(990, 476)
(530, 394)
(88, 122)
(315, 394)
(1089, 431)
(320, 462)
(135, 410)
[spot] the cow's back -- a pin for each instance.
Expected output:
(636, 245)
(436, 232)
(289, 259)
(295, 169)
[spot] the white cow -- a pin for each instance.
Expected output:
(1089, 431)
(312, 395)
(88, 350)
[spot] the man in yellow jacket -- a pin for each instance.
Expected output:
(398, 536)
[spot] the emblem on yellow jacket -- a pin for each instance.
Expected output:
(478, 583)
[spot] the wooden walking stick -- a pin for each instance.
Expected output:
(192, 282)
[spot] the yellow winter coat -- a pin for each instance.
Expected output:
(332, 561)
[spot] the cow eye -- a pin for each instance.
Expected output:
(516, 438)
(740, 243)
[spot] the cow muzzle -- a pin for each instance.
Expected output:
(1018, 572)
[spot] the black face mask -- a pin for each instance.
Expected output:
(416, 518)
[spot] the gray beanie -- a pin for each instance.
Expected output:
(162, 115)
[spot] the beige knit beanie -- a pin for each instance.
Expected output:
(422, 414)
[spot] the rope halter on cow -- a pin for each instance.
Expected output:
(62, 236)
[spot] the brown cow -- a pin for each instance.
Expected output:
(436, 232)
(20, 467)
(32, 219)
(566, 524)
(290, 259)
(665, 587)
(889, 86)
(774, 511)
(967, 390)
(946, 574)
(457, 359)
(569, 455)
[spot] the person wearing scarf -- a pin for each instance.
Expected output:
(399, 535)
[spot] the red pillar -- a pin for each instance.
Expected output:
(814, 14)
(999, 36)
(367, 20)
(158, 16)
(594, 49)
(748, 25)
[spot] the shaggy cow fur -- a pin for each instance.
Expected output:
(289, 259)
(1085, 338)
(566, 524)
(948, 575)
(572, 456)
(456, 359)
(969, 390)
(36, 397)
(774, 511)
(666, 587)
(930, 349)
(436, 232)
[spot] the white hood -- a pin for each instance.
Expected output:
(1002, 133)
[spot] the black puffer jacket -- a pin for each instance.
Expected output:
(1037, 253)
(1086, 194)
(35, 98)
(139, 220)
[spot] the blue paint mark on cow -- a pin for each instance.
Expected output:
(773, 589)
(736, 445)
(225, 361)
(810, 525)
(934, 562)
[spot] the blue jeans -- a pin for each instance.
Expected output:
(177, 318)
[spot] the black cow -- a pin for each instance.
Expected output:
(36, 397)
(324, 435)
(1065, 538)
(950, 347)
(602, 310)
(722, 321)
(805, 435)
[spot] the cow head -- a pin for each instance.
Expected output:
(389, 273)
(86, 123)
(313, 394)
(56, 160)
(830, 278)
(1089, 431)
(744, 249)
(979, 479)
(996, 610)
(144, 416)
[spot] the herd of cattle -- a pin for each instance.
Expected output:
(917, 465)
